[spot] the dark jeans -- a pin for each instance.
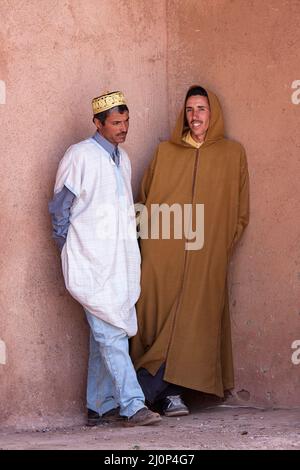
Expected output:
(155, 388)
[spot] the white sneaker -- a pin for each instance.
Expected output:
(174, 406)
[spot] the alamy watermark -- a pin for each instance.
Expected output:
(159, 221)
(2, 352)
(178, 221)
(295, 358)
(295, 97)
(2, 92)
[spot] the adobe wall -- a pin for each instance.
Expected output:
(53, 61)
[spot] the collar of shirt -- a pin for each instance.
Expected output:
(188, 139)
(108, 146)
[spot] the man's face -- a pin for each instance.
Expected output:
(197, 112)
(115, 127)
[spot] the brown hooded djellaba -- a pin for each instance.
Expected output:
(183, 312)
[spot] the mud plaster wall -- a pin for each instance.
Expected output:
(248, 53)
(55, 56)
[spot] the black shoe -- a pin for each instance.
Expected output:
(93, 418)
(112, 416)
(174, 406)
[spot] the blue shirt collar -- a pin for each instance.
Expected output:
(108, 146)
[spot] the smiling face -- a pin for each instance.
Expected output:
(115, 127)
(197, 113)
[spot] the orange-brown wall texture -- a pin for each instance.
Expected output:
(247, 52)
(55, 56)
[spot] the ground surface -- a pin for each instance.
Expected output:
(220, 427)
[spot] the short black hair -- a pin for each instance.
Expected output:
(195, 90)
(122, 108)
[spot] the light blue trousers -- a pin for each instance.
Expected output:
(112, 379)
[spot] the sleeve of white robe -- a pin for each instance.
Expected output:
(69, 172)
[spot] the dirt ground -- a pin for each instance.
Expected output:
(217, 427)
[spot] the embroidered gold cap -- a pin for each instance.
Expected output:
(107, 101)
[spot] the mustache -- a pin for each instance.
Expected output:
(121, 134)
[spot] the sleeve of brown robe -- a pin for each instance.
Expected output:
(243, 211)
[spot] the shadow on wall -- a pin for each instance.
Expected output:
(198, 401)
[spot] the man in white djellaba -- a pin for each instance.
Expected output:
(94, 226)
